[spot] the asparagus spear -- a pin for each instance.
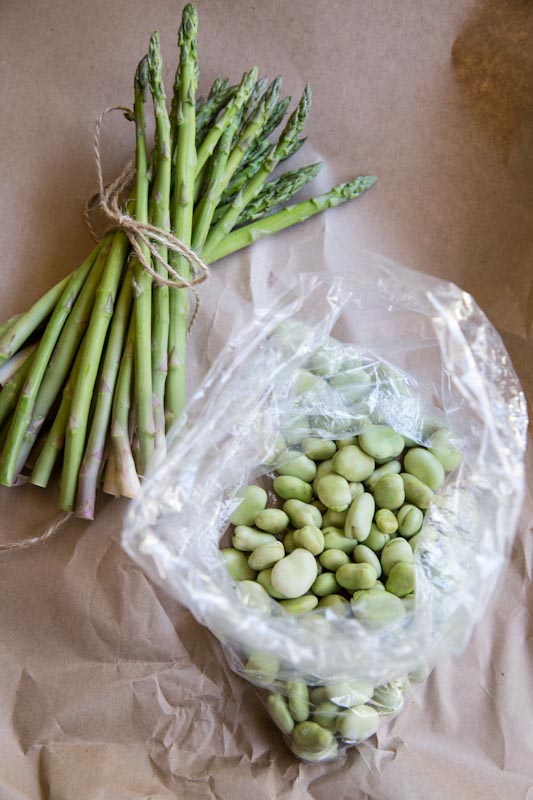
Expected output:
(94, 450)
(126, 474)
(274, 193)
(63, 356)
(292, 215)
(233, 108)
(182, 209)
(246, 172)
(220, 94)
(9, 368)
(160, 211)
(5, 326)
(11, 389)
(291, 132)
(26, 401)
(252, 105)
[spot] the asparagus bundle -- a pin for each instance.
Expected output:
(93, 374)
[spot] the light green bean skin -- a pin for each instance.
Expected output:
(440, 447)
(294, 575)
(376, 539)
(376, 608)
(334, 519)
(298, 694)
(327, 754)
(318, 449)
(349, 693)
(345, 442)
(337, 603)
(288, 542)
(254, 501)
(263, 666)
(317, 694)
(264, 579)
(424, 466)
(325, 468)
(272, 520)
(289, 488)
(353, 463)
(253, 595)
(279, 711)
(237, 564)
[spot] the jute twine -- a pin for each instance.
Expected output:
(109, 199)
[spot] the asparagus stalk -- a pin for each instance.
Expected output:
(22, 328)
(220, 94)
(55, 439)
(92, 350)
(25, 405)
(182, 209)
(160, 212)
(5, 326)
(292, 215)
(252, 105)
(92, 459)
(63, 356)
(11, 390)
(143, 283)
(9, 368)
(125, 472)
(233, 108)
(246, 172)
(291, 132)
(274, 193)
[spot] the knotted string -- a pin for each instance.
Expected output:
(109, 199)
(23, 544)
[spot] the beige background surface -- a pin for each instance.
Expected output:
(109, 691)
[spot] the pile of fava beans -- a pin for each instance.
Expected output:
(343, 538)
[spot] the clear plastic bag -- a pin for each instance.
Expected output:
(385, 345)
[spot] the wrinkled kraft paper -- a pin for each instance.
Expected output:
(109, 691)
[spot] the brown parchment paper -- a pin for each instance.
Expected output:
(108, 691)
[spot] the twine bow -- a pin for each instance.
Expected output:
(108, 199)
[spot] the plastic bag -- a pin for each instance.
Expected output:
(416, 353)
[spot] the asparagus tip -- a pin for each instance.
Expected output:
(189, 25)
(141, 74)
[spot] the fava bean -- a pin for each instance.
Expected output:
(294, 575)
(333, 559)
(359, 517)
(394, 552)
(353, 464)
(273, 520)
(301, 514)
(424, 466)
(334, 539)
(353, 577)
(279, 711)
(253, 595)
(264, 666)
(386, 521)
(318, 449)
(334, 519)
(312, 737)
(336, 602)
(237, 564)
(390, 468)
(349, 693)
(264, 579)
(401, 580)
(389, 492)
(440, 447)
(298, 466)
(317, 694)
(289, 488)
(247, 539)
(356, 490)
(298, 693)
(358, 723)
(376, 608)
(254, 500)
(327, 754)
(410, 519)
(364, 555)
(345, 442)
(266, 555)
(310, 538)
(325, 584)
(388, 699)
(416, 492)
(325, 715)
(381, 442)
(300, 605)
(376, 539)
(334, 492)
